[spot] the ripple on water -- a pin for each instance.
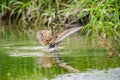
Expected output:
(22, 51)
(28, 51)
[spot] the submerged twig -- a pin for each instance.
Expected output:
(68, 67)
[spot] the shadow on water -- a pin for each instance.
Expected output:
(20, 59)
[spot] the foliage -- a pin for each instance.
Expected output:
(103, 15)
(104, 19)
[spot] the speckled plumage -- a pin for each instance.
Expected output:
(45, 37)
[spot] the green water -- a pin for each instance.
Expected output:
(19, 58)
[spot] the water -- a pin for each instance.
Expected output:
(20, 60)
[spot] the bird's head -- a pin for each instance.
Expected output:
(52, 47)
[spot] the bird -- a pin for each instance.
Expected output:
(45, 37)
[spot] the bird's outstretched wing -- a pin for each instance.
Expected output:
(44, 37)
(66, 33)
(40, 37)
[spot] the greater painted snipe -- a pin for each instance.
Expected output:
(45, 37)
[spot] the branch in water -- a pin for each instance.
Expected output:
(68, 67)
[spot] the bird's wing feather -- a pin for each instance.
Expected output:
(66, 33)
(40, 38)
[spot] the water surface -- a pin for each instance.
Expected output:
(19, 59)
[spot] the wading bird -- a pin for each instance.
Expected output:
(45, 37)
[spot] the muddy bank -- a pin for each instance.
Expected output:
(110, 74)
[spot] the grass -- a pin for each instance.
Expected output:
(29, 14)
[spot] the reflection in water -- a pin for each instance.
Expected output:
(49, 59)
